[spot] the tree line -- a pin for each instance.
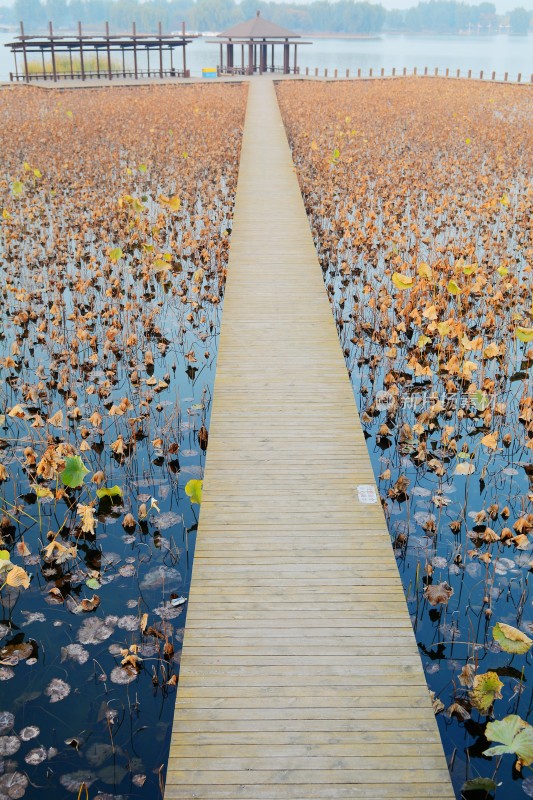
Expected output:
(320, 16)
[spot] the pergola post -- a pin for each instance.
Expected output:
(160, 34)
(286, 67)
(184, 48)
(109, 75)
(24, 53)
(135, 51)
(52, 50)
(82, 63)
(250, 59)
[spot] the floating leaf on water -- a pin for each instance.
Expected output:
(94, 631)
(453, 287)
(116, 254)
(169, 518)
(123, 674)
(98, 752)
(29, 732)
(74, 652)
(193, 489)
(438, 593)
(73, 780)
(511, 639)
(113, 491)
(479, 785)
(486, 689)
(163, 575)
(13, 785)
(33, 616)
(17, 578)
(127, 570)
(138, 780)
(57, 690)
(113, 774)
(21, 650)
(524, 334)
(465, 468)
(6, 673)
(516, 737)
(74, 473)
(402, 282)
(90, 605)
(36, 756)
(128, 623)
(9, 745)
(438, 705)
(7, 720)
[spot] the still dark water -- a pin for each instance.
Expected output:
(385, 195)
(111, 303)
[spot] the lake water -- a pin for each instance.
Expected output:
(500, 53)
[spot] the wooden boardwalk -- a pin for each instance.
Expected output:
(300, 674)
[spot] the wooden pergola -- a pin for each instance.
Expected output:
(100, 49)
(254, 38)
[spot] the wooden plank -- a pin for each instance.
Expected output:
(300, 675)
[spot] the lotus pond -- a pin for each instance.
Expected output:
(115, 216)
(420, 197)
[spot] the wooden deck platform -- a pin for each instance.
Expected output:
(300, 673)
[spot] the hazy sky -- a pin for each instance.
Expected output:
(502, 6)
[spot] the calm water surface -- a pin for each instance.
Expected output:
(500, 53)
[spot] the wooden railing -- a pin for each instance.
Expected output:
(240, 70)
(447, 73)
(88, 75)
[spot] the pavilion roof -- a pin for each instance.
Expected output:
(257, 28)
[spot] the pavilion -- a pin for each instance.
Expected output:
(253, 38)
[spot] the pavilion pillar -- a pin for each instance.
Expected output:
(272, 58)
(97, 62)
(184, 48)
(221, 57)
(135, 51)
(52, 50)
(295, 58)
(160, 33)
(250, 59)
(229, 56)
(24, 53)
(242, 58)
(82, 63)
(108, 51)
(263, 58)
(286, 67)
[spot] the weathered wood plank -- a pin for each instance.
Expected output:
(300, 675)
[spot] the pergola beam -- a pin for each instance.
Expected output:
(108, 43)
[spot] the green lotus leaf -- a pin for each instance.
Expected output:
(74, 473)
